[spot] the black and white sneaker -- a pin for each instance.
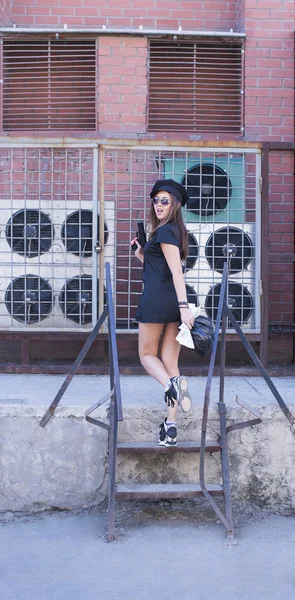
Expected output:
(177, 389)
(167, 435)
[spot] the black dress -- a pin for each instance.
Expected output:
(158, 303)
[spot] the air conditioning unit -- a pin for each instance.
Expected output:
(221, 227)
(209, 247)
(215, 185)
(46, 266)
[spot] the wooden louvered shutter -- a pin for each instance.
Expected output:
(195, 86)
(49, 85)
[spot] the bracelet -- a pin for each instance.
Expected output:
(183, 304)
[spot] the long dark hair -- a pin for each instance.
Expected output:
(174, 217)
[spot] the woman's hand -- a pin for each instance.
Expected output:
(187, 317)
(139, 251)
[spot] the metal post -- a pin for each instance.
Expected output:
(264, 257)
(207, 495)
(100, 247)
(223, 432)
(112, 468)
(95, 300)
(113, 415)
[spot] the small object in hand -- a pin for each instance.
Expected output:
(202, 333)
(140, 235)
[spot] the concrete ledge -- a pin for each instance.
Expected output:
(64, 465)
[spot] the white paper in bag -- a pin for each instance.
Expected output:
(184, 336)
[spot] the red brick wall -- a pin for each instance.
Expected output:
(269, 115)
(281, 237)
(269, 95)
(122, 87)
(200, 14)
(241, 15)
(269, 70)
(5, 12)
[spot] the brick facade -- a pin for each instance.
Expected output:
(269, 92)
(5, 12)
(269, 116)
(122, 88)
(162, 14)
(269, 70)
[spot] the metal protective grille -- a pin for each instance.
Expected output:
(52, 213)
(195, 86)
(49, 223)
(49, 85)
(222, 218)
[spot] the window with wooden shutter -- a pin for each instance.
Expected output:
(195, 86)
(49, 85)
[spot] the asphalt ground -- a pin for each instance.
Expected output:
(162, 550)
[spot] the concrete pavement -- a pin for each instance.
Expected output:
(163, 551)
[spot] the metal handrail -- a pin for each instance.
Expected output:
(207, 402)
(115, 393)
(224, 313)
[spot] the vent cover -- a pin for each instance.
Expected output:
(239, 301)
(29, 233)
(232, 244)
(195, 86)
(75, 299)
(49, 84)
(209, 189)
(193, 252)
(192, 296)
(76, 232)
(29, 299)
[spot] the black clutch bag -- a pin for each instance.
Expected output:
(203, 335)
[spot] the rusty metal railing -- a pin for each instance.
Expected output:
(224, 314)
(115, 409)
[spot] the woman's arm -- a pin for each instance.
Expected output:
(172, 256)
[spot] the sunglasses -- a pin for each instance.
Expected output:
(163, 201)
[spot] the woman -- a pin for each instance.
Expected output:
(163, 303)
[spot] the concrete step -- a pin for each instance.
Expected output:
(154, 448)
(79, 450)
(165, 490)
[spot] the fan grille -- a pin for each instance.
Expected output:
(29, 233)
(209, 189)
(192, 296)
(75, 299)
(229, 244)
(193, 252)
(239, 301)
(29, 299)
(76, 232)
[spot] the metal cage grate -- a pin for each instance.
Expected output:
(60, 206)
(217, 230)
(48, 234)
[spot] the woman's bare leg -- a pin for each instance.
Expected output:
(169, 356)
(149, 335)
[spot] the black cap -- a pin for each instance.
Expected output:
(169, 185)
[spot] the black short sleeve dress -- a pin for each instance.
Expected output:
(158, 303)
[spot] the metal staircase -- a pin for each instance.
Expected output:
(204, 446)
(164, 490)
(179, 490)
